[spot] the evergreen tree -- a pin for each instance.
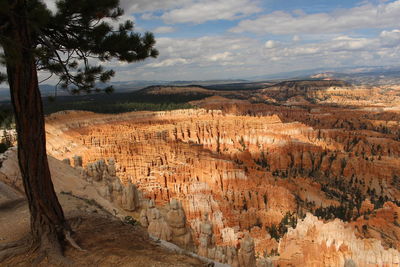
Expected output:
(61, 43)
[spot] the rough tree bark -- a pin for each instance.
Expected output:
(48, 225)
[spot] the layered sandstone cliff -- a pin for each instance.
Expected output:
(246, 173)
(316, 243)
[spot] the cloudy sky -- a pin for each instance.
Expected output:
(231, 39)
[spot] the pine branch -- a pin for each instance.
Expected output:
(51, 75)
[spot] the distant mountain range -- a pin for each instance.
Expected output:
(362, 74)
(376, 75)
(125, 87)
(371, 76)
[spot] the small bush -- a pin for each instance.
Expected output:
(130, 220)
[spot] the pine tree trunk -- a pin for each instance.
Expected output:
(47, 219)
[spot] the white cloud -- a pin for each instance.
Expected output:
(207, 10)
(311, 41)
(221, 56)
(342, 45)
(51, 4)
(208, 49)
(296, 38)
(390, 38)
(169, 62)
(302, 50)
(122, 19)
(345, 43)
(208, 57)
(192, 11)
(150, 5)
(271, 44)
(362, 17)
(185, 11)
(164, 29)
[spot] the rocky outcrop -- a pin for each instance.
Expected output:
(67, 180)
(10, 169)
(245, 172)
(130, 197)
(176, 220)
(169, 161)
(206, 238)
(170, 227)
(232, 256)
(246, 253)
(158, 227)
(109, 185)
(332, 244)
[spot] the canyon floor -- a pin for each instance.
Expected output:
(303, 173)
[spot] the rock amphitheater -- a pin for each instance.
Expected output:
(249, 184)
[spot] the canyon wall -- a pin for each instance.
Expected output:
(254, 174)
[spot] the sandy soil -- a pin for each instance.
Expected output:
(107, 240)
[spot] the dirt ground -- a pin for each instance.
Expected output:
(107, 240)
